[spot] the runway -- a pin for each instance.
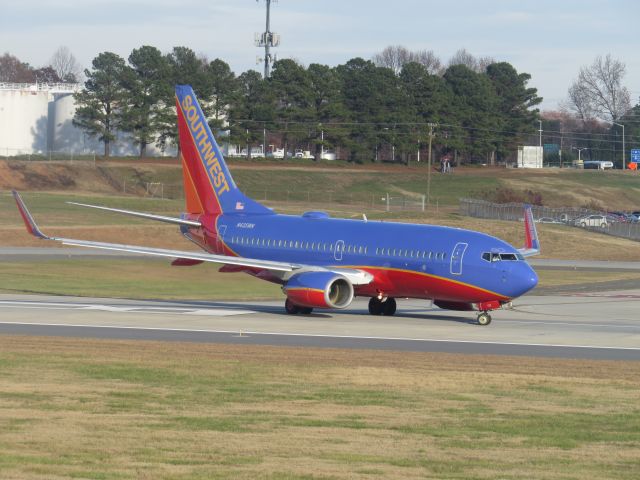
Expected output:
(593, 326)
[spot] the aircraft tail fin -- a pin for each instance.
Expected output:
(208, 185)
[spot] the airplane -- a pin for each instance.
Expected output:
(323, 262)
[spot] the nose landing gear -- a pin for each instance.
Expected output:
(484, 318)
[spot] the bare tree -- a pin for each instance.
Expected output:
(65, 65)
(13, 70)
(598, 91)
(393, 57)
(396, 56)
(462, 57)
(429, 60)
(578, 103)
(484, 62)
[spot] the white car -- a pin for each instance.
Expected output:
(597, 221)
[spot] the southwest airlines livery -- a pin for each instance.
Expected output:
(324, 262)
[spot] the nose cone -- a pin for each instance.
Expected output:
(524, 279)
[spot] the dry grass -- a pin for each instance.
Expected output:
(119, 409)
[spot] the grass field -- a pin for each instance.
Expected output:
(327, 183)
(129, 410)
(156, 279)
(58, 218)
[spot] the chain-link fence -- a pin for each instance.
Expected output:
(384, 201)
(48, 156)
(603, 222)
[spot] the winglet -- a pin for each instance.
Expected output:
(29, 222)
(531, 243)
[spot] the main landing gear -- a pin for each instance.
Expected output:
(484, 318)
(293, 309)
(378, 306)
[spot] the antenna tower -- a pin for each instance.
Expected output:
(268, 39)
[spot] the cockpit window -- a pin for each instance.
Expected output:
(496, 257)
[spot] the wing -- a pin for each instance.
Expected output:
(531, 243)
(282, 270)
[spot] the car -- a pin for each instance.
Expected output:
(547, 220)
(592, 221)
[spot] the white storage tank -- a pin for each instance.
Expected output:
(23, 120)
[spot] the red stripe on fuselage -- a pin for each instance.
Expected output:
(407, 283)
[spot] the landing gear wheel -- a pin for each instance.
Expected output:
(484, 319)
(306, 310)
(291, 308)
(389, 307)
(375, 306)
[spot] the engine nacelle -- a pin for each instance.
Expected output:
(319, 290)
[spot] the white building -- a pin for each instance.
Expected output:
(37, 118)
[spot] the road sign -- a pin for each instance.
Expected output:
(635, 155)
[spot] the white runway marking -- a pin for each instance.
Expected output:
(218, 312)
(247, 333)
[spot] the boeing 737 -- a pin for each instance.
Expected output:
(324, 262)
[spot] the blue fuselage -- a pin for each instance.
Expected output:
(406, 260)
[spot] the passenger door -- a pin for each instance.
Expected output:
(456, 258)
(337, 251)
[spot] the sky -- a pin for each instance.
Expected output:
(549, 39)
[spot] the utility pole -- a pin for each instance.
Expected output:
(431, 125)
(540, 132)
(624, 158)
(540, 152)
(267, 39)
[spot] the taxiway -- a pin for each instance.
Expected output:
(594, 325)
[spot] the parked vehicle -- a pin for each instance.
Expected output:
(547, 220)
(592, 221)
(303, 154)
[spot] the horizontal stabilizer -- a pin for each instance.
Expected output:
(149, 216)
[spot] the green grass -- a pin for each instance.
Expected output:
(134, 278)
(145, 278)
(102, 409)
(52, 209)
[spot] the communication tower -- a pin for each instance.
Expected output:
(267, 39)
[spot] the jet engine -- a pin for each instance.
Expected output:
(319, 290)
